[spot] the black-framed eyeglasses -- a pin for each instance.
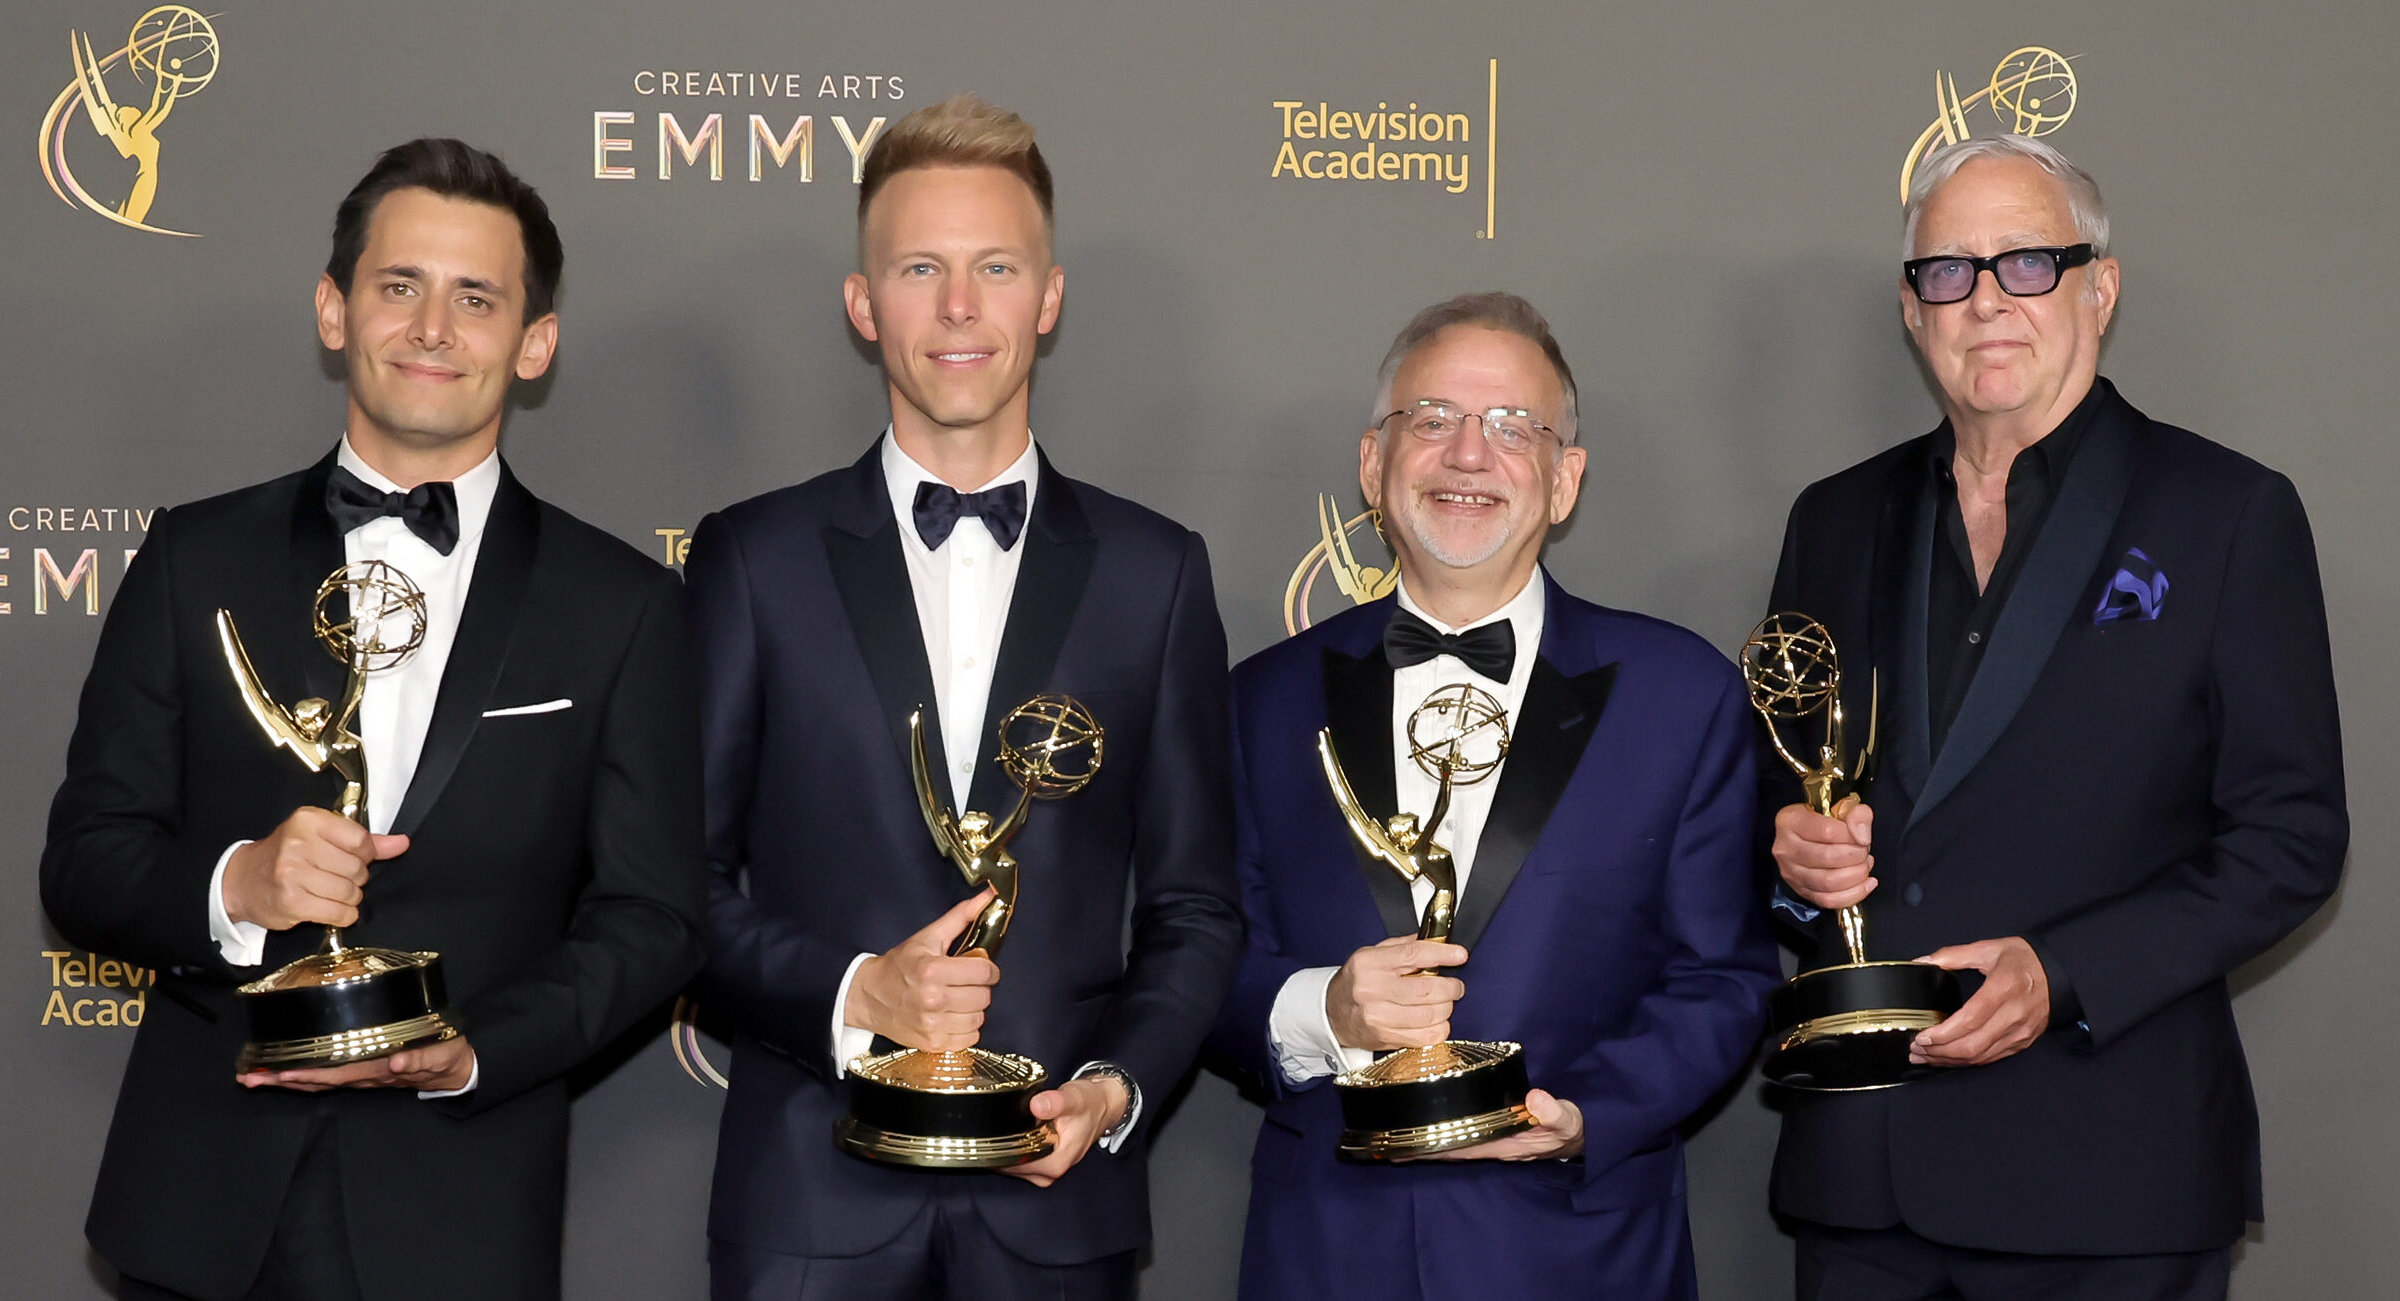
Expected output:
(1512, 430)
(2020, 272)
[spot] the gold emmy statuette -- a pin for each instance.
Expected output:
(1845, 1027)
(973, 1109)
(341, 1003)
(1417, 1101)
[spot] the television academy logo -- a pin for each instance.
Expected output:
(1401, 141)
(125, 96)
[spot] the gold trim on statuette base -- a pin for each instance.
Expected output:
(945, 1153)
(1425, 1140)
(346, 1047)
(1877, 1020)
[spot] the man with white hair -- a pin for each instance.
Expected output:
(2112, 773)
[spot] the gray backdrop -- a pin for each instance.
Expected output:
(1702, 196)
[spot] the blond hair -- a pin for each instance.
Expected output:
(961, 131)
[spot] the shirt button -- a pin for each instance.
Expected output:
(1974, 639)
(966, 766)
(1913, 895)
(968, 662)
(966, 562)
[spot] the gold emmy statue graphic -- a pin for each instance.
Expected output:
(972, 1109)
(1334, 557)
(2032, 93)
(341, 1003)
(1418, 1101)
(1845, 1027)
(172, 51)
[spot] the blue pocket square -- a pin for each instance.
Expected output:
(2138, 591)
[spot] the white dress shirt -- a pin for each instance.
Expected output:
(962, 589)
(397, 706)
(1298, 1026)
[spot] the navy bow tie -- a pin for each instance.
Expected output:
(430, 510)
(1490, 650)
(939, 508)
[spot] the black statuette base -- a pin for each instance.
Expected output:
(354, 1021)
(1847, 1028)
(1480, 1098)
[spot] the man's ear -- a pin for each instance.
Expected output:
(1370, 467)
(539, 346)
(333, 314)
(1054, 296)
(859, 306)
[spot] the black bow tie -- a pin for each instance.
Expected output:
(430, 510)
(1490, 650)
(939, 508)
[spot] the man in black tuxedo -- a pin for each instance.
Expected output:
(952, 569)
(2112, 774)
(533, 806)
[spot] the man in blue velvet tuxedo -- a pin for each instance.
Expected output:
(1606, 915)
(2112, 774)
(952, 569)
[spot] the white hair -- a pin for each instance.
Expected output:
(2083, 193)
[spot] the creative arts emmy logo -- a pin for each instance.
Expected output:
(1335, 558)
(170, 56)
(2031, 93)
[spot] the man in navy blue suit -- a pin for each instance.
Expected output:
(1606, 916)
(952, 570)
(2112, 773)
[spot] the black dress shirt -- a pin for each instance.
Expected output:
(1959, 619)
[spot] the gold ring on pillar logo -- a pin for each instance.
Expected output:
(2031, 93)
(125, 96)
(1335, 557)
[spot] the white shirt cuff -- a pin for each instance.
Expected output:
(1301, 1031)
(1116, 1135)
(474, 1077)
(849, 1042)
(243, 944)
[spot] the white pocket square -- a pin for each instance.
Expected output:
(546, 707)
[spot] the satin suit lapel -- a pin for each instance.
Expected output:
(495, 602)
(1059, 549)
(2049, 593)
(862, 547)
(1358, 710)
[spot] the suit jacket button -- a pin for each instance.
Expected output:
(1913, 895)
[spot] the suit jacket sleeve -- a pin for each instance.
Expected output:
(774, 980)
(634, 936)
(2281, 825)
(1187, 926)
(1240, 1036)
(1700, 1022)
(119, 876)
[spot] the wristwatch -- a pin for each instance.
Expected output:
(1115, 1134)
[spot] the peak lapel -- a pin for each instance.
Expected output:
(1552, 729)
(1358, 710)
(2048, 594)
(495, 601)
(862, 548)
(1059, 550)
(316, 553)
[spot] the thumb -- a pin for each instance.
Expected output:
(1956, 957)
(1856, 815)
(1049, 1104)
(390, 846)
(952, 924)
(1546, 1110)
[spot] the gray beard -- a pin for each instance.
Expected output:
(1454, 559)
